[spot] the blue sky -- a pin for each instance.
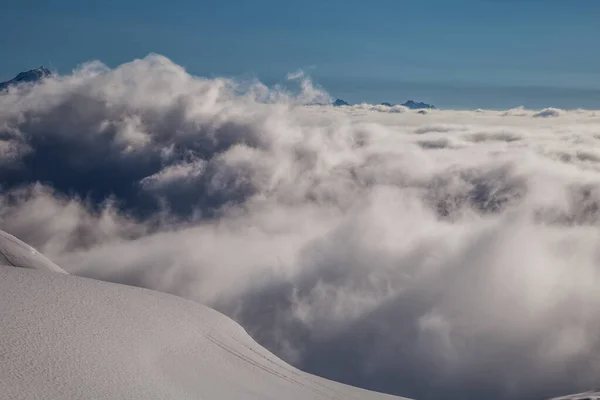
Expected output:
(463, 53)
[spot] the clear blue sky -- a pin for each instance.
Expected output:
(462, 53)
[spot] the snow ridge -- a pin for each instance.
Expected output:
(16, 253)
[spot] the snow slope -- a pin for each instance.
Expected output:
(66, 337)
(14, 252)
(591, 395)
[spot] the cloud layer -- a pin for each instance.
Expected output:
(449, 254)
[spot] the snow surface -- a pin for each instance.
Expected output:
(590, 395)
(67, 337)
(16, 253)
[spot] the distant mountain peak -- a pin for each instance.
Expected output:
(33, 75)
(410, 104)
(340, 102)
(414, 105)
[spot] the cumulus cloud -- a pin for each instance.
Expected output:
(451, 254)
(517, 112)
(357, 108)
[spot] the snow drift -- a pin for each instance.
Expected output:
(65, 337)
(14, 252)
(450, 254)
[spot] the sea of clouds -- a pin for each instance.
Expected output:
(451, 254)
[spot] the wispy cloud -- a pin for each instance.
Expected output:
(295, 75)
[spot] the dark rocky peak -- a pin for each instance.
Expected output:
(413, 105)
(339, 103)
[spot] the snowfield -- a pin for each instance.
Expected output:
(66, 337)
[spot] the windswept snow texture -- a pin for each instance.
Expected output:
(14, 252)
(450, 254)
(65, 337)
(590, 395)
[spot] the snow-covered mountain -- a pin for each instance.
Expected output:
(67, 337)
(30, 76)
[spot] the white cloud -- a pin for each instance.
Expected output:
(295, 75)
(452, 252)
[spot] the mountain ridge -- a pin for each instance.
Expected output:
(410, 104)
(30, 76)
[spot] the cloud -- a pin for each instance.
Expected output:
(452, 254)
(295, 75)
(376, 107)
(517, 112)
(503, 136)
